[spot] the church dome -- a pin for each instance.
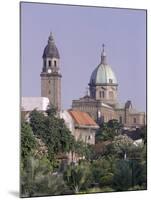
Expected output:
(51, 50)
(103, 74)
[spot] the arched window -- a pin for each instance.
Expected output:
(102, 94)
(55, 63)
(49, 62)
(134, 120)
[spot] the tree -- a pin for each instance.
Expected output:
(77, 177)
(136, 151)
(122, 179)
(122, 145)
(102, 172)
(52, 131)
(115, 125)
(108, 130)
(138, 172)
(144, 133)
(28, 142)
(37, 122)
(89, 152)
(128, 174)
(35, 178)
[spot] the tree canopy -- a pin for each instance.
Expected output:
(52, 131)
(28, 142)
(108, 130)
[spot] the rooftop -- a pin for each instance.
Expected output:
(82, 118)
(31, 103)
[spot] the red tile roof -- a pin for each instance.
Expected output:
(82, 118)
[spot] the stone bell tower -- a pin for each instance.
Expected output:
(50, 75)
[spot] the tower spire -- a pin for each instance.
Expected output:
(103, 56)
(50, 39)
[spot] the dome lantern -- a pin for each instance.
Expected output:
(103, 56)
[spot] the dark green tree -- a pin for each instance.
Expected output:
(37, 122)
(138, 173)
(128, 174)
(122, 179)
(28, 142)
(102, 172)
(52, 131)
(143, 131)
(108, 130)
(115, 125)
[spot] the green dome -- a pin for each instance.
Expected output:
(103, 74)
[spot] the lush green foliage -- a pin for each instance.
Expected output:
(77, 177)
(144, 133)
(122, 178)
(128, 174)
(108, 130)
(28, 142)
(114, 163)
(122, 145)
(52, 131)
(102, 172)
(38, 179)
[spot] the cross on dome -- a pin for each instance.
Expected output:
(50, 39)
(103, 55)
(103, 45)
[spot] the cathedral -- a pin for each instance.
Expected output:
(100, 102)
(87, 113)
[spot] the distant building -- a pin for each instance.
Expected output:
(31, 103)
(102, 103)
(81, 125)
(28, 104)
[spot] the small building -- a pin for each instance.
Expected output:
(28, 104)
(81, 125)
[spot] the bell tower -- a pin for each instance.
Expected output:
(50, 75)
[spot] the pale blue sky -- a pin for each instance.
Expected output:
(79, 33)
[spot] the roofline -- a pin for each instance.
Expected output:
(86, 126)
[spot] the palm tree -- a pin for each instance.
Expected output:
(76, 177)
